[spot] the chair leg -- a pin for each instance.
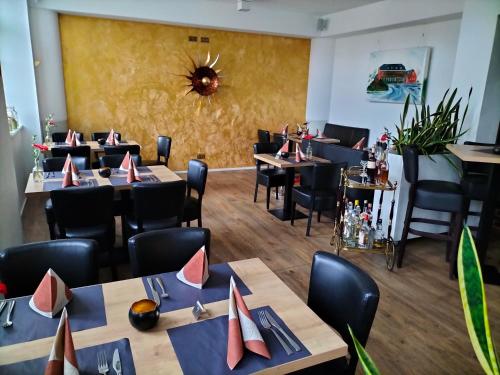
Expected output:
(188, 223)
(292, 219)
(319, 216)
(199, 222)
(277, 197)
(256, 190)
(309, 219)
(457, 232)
(52, 230)
(268, 197)
(404, 235)
(450, 233)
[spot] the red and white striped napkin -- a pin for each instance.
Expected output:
(68, 137)
(62, 358)
(71, 176)
(242, 330)
(285, 147)
(51, 295)
(299, 155)
(360, 144)
(319, 134)
(133, 173)
(125, 162)
(284, 130)
(195, 272)
(67, 165)
(111, 140)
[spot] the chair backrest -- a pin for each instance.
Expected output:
(263, 136)
(471, 167)
(114, 161)
(23, 267)
(78, 207)
(279, 139)
(57, 164)
(342, 294)
(326, 176)
(163, 144)
(197, 177)
(104, 135)
(61, 136)
(410, 164)
(158, 201)
(122, 150)
(165, 250)
(348, 135)
(63, 151)
(264, 148)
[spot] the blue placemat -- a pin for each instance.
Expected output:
(54, 185)
(82, 143)
(201, 347)
(86, 310)
(51, 175)
(140, 169)
(86, 358)
(121, 143)
(122, 180)
(181, 295)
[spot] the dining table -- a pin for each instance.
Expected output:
(298, 139)
(288, 165)
(94, 145)
(179, 343)
(483, 154)
(91, 178)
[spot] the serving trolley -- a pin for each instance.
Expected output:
(349, 180)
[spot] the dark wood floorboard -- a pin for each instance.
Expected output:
(419, 327)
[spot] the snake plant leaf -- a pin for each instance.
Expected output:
(366, 361)
(474, 303)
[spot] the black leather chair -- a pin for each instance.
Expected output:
(61, 136)
(279, 139)
(23, 267)
(263, 136)
(165, 250)
(196, 180)
(63, 151)
(87, 212)
(163, 145)
(56, 165)
(155, 206)
(104, 135)
(348, 135)
(436, 196)
(122, 150)
(321, 194)
(114, 161)
(269, 177)
(342, 294)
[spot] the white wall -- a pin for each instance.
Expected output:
(349, 104)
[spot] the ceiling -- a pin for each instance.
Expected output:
(312, 7)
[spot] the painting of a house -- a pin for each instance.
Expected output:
(394, 74)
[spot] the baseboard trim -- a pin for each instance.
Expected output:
(22, 206)
(223, 169)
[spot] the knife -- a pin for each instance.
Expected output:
(117, 364)
(275, 324)
(156, 296)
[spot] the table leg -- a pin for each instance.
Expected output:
(490, 274)
(285, 213)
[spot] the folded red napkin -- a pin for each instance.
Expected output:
(125, 162)
(62, 358)
(242, 330)
(319, 134)
(285, 147)
(51, 295)
(111, 140)
(68, 137)
(133, 173)
(71, 176)
(195, 272)
(299, 155)
(284, 130)
(67, 165)
(359, 145)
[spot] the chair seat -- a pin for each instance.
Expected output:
(191, 209)
(439, 196)
(475, 186)
(271, 177)
(325, 199)
(150, 225)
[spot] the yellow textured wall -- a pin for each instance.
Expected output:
(120, 74)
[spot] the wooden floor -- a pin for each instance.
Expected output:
(419, 327)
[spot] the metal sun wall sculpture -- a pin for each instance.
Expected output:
(204, 79)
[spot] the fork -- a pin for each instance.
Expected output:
(163, 293)
(102, 363)
(265, 323)
(9, 322)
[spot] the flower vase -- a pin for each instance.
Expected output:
(37, 171)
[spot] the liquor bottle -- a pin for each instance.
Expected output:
(371, 167)
(369, 213)
(365, 206)
(357, 218)
(383, 167)
(364, 231)
(378, 240)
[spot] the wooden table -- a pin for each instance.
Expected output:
(163, 173)
(295, 138)
(152, 350)
(285, 213)
(94, 146)
(483, 154)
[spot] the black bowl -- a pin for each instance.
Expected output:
(101, 141)
(105, 172)
(144, 314)
(285, 154)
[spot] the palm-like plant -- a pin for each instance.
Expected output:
(431, 131)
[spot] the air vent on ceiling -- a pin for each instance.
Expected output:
(322, 24)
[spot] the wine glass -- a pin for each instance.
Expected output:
(363, 174)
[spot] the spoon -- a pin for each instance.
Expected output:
(9, 322)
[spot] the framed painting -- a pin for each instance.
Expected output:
(395, 74)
